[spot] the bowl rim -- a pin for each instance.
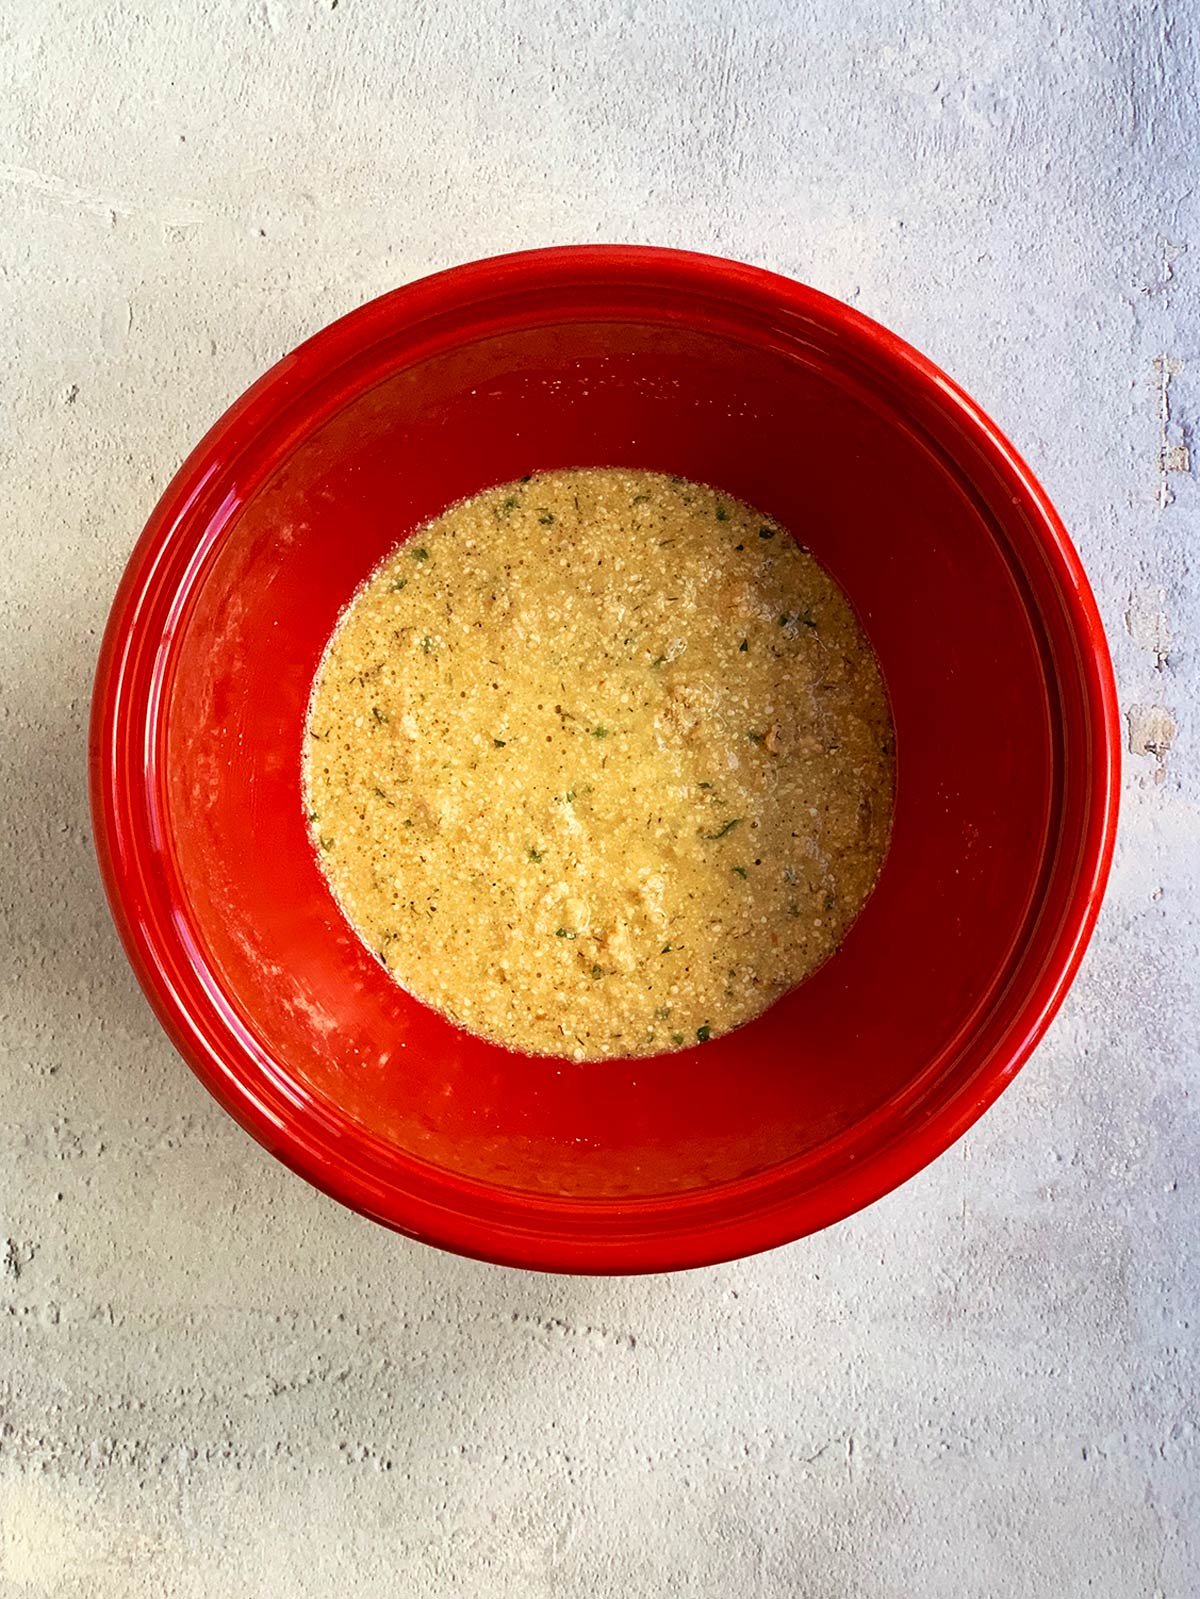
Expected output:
(123, 841)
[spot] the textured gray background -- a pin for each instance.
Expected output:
(215, 1382)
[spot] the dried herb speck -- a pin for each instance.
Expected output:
(723, 832)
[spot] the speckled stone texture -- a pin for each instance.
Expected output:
(215, 1382)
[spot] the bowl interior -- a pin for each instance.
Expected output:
(935, 555)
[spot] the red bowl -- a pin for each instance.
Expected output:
(964, 579)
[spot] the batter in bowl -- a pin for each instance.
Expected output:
(600, 764)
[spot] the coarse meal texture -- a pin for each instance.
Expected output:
(600, 763)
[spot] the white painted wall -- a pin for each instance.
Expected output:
(215, 1382)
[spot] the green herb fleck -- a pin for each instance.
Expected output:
(703, 785)
(793, 909)
(427, 645)
(545, 518)
(528, 478)
(597, 971)
(722, 512)
(380, 716)
(755, 738)
(740, 870)
(639, 499)
(766, 532)
(744, 646)
(726, 830)
(327, 843)
(535, 855)
(420, 553)
(659, 660)
(830, 899)
(599, 732)
(313, 817)
(400, 583)
(786, 618)
(408, 821)
(381, 795)
(566, 932)
(666, 949)
(704, 1033)
(808, 618)
(663, 1013)
(677, 1038)
(499, 743)
(510, 504)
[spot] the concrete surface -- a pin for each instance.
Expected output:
(215, 1382)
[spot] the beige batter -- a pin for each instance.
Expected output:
(600, 764)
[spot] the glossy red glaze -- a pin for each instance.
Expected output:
(993, 655)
